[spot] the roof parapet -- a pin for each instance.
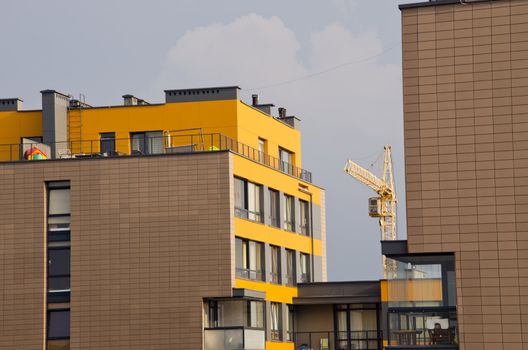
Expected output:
(202, 94)
(10, 104)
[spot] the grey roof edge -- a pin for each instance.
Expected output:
(436, 3)
(48, 91)
(11, 98)
(205, 88)
(337, 282)
(248, 293)
(396, 247)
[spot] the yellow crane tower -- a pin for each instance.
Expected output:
(383, 206)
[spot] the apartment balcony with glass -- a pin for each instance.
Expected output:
(422, 302)
(234, 324)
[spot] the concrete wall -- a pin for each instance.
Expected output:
(151, 237)
(465, 76)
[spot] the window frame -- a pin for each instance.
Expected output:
(276, 333)
(274, 213)
(305, 274)
(290, 275)
(289, 225)
(48, 326)
(146, 146)
(304, 213)
(287, 165)
(246, 212)
(105, 140)
(275, 271)
(245, 271)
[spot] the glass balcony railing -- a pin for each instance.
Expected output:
(195, 143)
(236, 338)
(346, 340)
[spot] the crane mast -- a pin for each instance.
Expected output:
(383, 206)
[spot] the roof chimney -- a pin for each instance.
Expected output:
(55, 121)
(10, 104)
(255, 100)
(282, 112)
(131, 100)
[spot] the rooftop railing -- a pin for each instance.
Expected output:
(144, 145)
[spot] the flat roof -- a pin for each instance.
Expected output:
(438, 3)
(345, 292)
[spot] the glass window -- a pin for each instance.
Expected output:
(58, 324)
(149, 142)
(59, 270)
(276, 321)
(289, 212)
(289, 324)
(248, 197)
(249, 259)
(107, 143)
(274, 208)
(235, 313)
(305, 217)
(59, 201)
(305, 268)
(286, 160)
(275, 264)
(262, 150)
(290, 267)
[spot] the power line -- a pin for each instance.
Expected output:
(327, 70)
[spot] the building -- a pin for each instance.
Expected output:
(465, 77)
(181, 225)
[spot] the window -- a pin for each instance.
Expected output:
(290, 267)
(276, 321)
(59, 270)
(149, 142)
(289, 324)
(235, 313)
(107, 143)
(262, 150)
(289, 212)
(274, 208)
(59, 324)
(357, 326)
(286, 160)
(249, 259)
(305, 268)
(275, 264)
(305, 217)
(248, 200)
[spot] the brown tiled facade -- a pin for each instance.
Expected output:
(151, 237)
(465, 76)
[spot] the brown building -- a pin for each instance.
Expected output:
(465, 77)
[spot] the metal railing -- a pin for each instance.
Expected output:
(347, 340)
(256, 275)
(193, 143)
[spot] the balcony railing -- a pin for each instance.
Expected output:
(358, 340)
(194, 143)
(234, 338)
(248, 274)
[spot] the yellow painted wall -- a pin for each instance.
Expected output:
(14, 126)
(263, 233)
(274, 292)
(253, 124)
(272, 345)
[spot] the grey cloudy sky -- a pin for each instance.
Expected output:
(106, 48)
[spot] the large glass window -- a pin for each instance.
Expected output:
(305, 268)
(289, 324)
(149, 142)
(58, 324)
(276, 321)
(275, 264)
(58, 270)
(289, 213)
(249, 259)
(286, 160)
(274, 208)
(59, 211)
(421, 300)
(357, 326)
(107, 143)
(248, 197)
(290, 267)
(305, 217)
(235, 313)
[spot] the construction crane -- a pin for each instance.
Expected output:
(384, 205)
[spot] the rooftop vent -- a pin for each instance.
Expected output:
(291, 120)
(10, 104)
(203, 94)
(131, 100)
(266, 108)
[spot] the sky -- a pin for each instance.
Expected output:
(335, 64)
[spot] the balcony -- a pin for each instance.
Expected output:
(194, 143)
(357, 340)
(236, 338)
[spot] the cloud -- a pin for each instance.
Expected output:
(346, 112)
